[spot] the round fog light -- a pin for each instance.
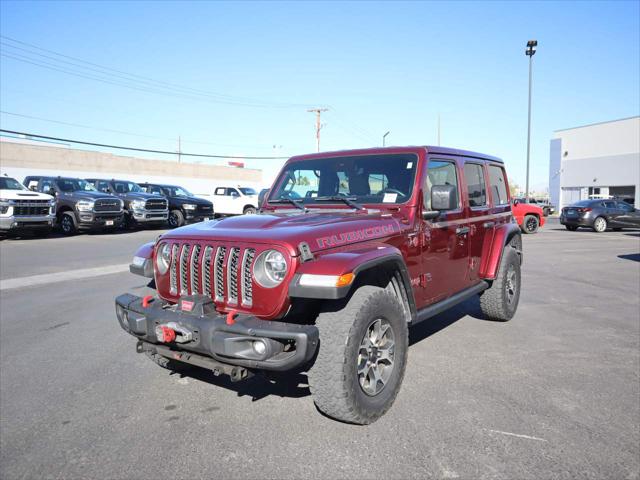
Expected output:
(259, 347)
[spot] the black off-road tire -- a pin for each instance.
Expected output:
(249, 210)
(168, 363)
(495, 302)
(571, 228)
(530, 224)
(333, 378)
(176, 219)
(68, 224)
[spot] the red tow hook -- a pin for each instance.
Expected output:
(168, 334)
(231, 317)
(146, 301)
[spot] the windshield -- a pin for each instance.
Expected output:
(126, 187)
(178, 192)
(247, 191)
(74, 185)
(384, 178)
(8, 183)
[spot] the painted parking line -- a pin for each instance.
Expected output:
(80, 274)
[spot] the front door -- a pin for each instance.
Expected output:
(446, 246)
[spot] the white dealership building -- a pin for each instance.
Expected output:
(598, 159)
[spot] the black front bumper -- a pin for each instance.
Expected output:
(287, 345)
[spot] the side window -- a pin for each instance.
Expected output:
(46, 185)
(219, 191)
(610, 204)
(441, 172)
(232, 192)
(155, 190)
(624, 206)
(498, 185)
(475, 184)
(102, 186)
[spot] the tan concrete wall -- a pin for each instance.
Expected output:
(46, 157)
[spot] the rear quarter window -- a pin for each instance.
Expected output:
(498, 185)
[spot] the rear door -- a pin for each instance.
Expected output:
(446, 249)
(478, 213)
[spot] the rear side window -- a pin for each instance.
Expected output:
(220, 191)
(475, 184)
(498, 185)
(440, 172)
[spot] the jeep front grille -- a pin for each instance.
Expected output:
(221, 272)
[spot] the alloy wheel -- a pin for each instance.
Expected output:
(600, 224)
(376, 357)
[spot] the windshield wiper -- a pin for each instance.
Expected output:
(339, 198)
(292, 201)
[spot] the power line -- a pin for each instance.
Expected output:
(137, 82)
(81, 142)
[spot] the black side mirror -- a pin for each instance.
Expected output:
(516, 202)
(443, 197)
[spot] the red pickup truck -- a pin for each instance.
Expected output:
(350, 249)
(529, 217)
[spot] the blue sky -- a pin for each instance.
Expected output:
(378, 66)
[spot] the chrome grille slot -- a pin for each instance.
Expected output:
(247, 281)
(184, 258)
(219, 273)
(206, 271)
(173, 270)
(195, 269)
(232, 276)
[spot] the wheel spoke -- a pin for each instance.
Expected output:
(386, 353)
(375, 332)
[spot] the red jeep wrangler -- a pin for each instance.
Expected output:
(351, 249)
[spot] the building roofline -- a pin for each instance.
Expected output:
(597, 123)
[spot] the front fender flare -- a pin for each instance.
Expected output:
(143, 261)
(350, 260)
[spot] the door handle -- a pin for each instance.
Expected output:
(489, 224)
(462, 230)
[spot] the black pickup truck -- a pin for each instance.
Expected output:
(78, 205)
(139, 207)
(184, 207)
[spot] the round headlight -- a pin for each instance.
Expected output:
(270, 268)
(163, 258)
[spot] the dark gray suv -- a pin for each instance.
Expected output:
(600, 215)
(78, 205)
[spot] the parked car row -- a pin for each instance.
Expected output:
(42, 202)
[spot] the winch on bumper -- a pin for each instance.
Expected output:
(192, 331)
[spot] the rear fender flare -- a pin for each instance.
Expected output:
(357, 261)
(494, 244)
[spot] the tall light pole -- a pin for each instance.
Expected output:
(384, 138)
(530, 52)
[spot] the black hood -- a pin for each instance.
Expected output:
(190, 199)
(87, 195)
(141, 196)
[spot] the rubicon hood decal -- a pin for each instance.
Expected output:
(355, 235)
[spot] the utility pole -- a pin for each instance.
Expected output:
(179, 149)
(318, 112)
(384, 138)
(530, 52)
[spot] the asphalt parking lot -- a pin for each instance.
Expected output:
(552, 394)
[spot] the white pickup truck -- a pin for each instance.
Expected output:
(233, 200)
(22, 210)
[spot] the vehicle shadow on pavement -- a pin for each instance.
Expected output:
(433, 325)
(257, 387)
(631, 256)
